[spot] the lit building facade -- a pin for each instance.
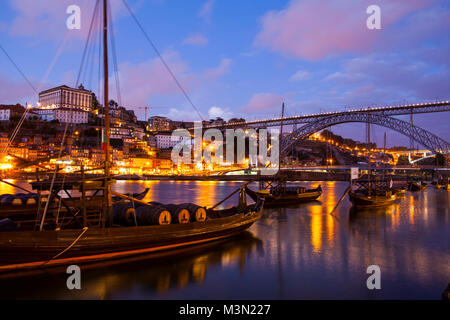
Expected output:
(63, 115)
(66, 97)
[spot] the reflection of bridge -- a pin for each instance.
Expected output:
(381, 116)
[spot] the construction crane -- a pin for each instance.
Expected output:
(147, 107)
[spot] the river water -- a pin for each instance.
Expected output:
(299, 252)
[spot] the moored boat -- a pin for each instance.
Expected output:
(281, 195)
(364, 200)
(414, 186)
(78, 231)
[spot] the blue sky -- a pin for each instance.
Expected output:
(243, 58)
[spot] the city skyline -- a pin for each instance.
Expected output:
(241, 60)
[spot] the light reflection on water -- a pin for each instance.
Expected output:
(297, 252)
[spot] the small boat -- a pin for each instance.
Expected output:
(364, 200)
(281, 195)
(414, 186)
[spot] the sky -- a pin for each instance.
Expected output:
(241, 58)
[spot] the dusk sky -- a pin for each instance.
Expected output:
(243, 58)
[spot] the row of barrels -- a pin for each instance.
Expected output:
(19, 199)
(127, 214)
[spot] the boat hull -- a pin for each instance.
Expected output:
(363, 201)
(412, 186)
(271, 201)
(30, 250)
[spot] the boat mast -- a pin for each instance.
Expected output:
(107, 191)
(368, 153)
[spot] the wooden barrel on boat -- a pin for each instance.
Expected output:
(28, 198)
(152, 215)
(197, 213)
(179, 214)
(123, 214)
(12, 200)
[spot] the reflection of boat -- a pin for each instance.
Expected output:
(414, 186)
(282, 195)
(154, 273)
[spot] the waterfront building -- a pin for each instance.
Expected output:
(66, 97)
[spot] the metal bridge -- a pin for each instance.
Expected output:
(381, 116)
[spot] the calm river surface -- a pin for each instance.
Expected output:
(291, 253)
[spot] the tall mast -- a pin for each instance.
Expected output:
(368, 151)
(107, 191)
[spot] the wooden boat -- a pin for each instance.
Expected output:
(85, 239)
(414, 186)
(363, 200)
(372, 193)
(281, 195)
(45, 249)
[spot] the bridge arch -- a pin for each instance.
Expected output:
(425, 138)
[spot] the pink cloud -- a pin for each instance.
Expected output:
(140, 81)
(311, 29)
(13, 92)
(264, 102)
(47, 18)
(223, 68)
(196, 39)
(206, 10)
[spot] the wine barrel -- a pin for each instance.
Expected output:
(123, 214)
(31, 199)
(28, 198)
(179, 214)
(12, 200)
(197, 213)
(152, 215)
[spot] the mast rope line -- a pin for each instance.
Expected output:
(162, 59)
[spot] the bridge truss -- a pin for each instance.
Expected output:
(425, 138)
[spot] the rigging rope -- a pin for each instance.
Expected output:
(162, 59)
(71, 114)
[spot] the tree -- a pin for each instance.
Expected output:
(113, 104)
(95, 104)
